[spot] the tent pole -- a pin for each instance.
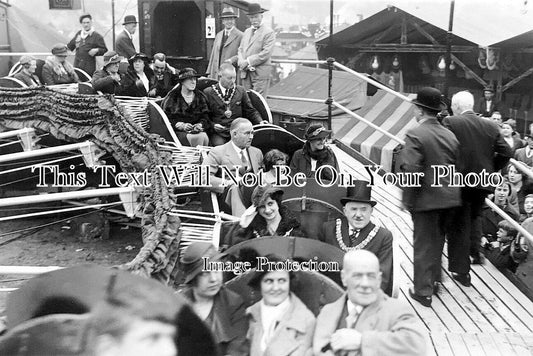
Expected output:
(113, 21)
(330, 61)
(448, 59)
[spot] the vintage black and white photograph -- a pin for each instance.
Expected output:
(266, 177)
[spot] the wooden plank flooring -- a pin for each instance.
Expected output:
(490, 318)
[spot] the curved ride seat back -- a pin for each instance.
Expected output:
(267, 137)
(17, 67)
(9, 82)
(85, 88)
(260, 104)
(39, 70)
(314, 289)
(82, 75)
(329, 195)
(203, 83)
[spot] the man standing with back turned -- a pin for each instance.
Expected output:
(481, 148)
(426, 146)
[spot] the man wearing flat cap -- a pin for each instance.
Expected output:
(221, 309)
(255, 51)
(488, 104)
(27, 73)
(108, 80)
(226, 43)
(88, 44)
(314, 154)
(56, 68)
(124, 42)
(427, 145)
(355, 231)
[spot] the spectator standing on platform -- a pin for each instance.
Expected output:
(525, 154)
(226, 43)
(166, 77)
(428, 145)
(227, 101)
(27, 73)
(488, 105)
(108, 80)
(355, 230)
(56, 69)
(481, 148)
(255, 51)
(124, 42)
(88, 44)
(365, 321)
(314, 154)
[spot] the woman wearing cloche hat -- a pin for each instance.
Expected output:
(108, 80)
(187, 110)
(56, 69)
(314, 154)
(221, 309)
(27, 73)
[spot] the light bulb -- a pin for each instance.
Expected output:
(441, 64)
(395, 62)
(452, 66)
(375, 63)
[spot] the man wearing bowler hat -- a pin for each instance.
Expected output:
(124, 42)
(226, 43)
(255, 51)
(487, 104)
(355, 231)
(428, 145)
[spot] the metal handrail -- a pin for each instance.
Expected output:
(522, 167)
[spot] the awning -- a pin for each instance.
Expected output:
(388, 112)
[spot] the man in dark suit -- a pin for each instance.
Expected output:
(487, 104)
(239, 157)
(355, 230)
(227, 102)
(124, 42)
(88, 44)
(481, 148)
(226, 43)
(255, 51)
(428, 145)
(165, 76)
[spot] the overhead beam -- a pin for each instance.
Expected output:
(395, 47)
(526, 74)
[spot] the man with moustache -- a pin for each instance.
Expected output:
(226, 102)
(255, 51)
(364, 321)
(239, 157)
(355, 231)
(226, 43)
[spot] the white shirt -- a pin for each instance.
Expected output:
(353, 313)
(145, 81)
(488, 102)
(238, 150)
(313, 164)
(269, 316)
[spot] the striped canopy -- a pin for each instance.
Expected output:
(387, 111)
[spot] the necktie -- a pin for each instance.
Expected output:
(351, 319)
(353, 237)
(224, 37)
(244, 160)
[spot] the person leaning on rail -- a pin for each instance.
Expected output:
(56, 68)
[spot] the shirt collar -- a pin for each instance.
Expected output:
(351, 307)
(237, 149)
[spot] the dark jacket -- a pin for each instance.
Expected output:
(228, 322)
(132, 84)
(301, 162)
(83, 59)
(52, 73)
(427, 145)
(482, 107)
(240, 106)
(30, 81)
(165, 84)
(124, 45)
(481, 145)
(288, 226)
(380, 245)
(490, 220)
(103, 82)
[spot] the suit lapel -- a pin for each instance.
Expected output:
(345, 231)
(253, 36)
(231, 37)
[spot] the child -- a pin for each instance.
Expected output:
(499, 252)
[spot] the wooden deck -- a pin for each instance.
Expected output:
(491, 318)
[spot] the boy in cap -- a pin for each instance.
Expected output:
(56, 69)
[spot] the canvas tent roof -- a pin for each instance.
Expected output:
(390, 113)
(312, 83)
(470, 26)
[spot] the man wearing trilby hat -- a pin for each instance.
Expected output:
(124, 43)
(226, 43)
(355, 230)
(255, 51)
(426, 146)
(487, 104)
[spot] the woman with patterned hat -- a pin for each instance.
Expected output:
(139, 78)
(187, 110)
(56, 69)
(221, 309)
(108, 80)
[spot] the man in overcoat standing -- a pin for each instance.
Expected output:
(226, 43)
(88, 44)
(428, 146)
(482, 148)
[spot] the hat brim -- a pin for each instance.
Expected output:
(256, 12)
(192, 76)
(322, 134)
(228, 16)
(126, 23)
(199, 268)
(441, 107)
(347, 200)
